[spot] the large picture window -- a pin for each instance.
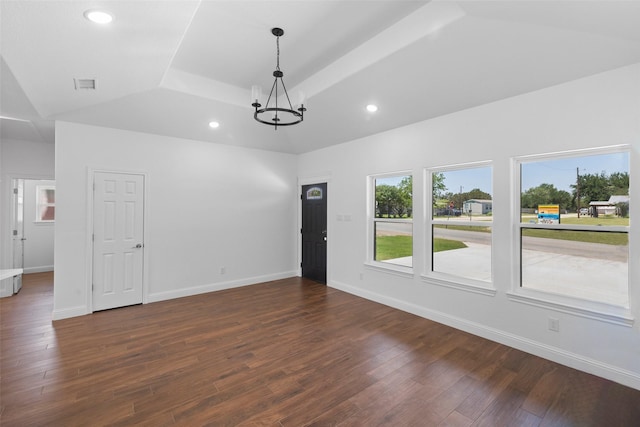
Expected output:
(392, 220)
(574, 225)
(461, 223)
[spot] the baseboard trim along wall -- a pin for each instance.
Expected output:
(40, 269)
(69, 312)
(572, 360)
(203, 289)
(184, 292)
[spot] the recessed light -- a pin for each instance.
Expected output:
(214, 125)
(98, 16)
(372, 108)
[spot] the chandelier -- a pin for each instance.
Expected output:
(276, 115)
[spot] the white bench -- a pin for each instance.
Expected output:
(10, 281)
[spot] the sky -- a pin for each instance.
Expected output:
(563, 172)
(559, 172)
(465, 180)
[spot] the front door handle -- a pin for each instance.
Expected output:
(138, 246)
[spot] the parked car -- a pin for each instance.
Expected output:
(584, 211)
(447, 212)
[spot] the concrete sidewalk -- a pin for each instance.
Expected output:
(590, 278)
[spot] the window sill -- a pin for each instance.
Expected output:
(583, 308)
(394, 269)
(467, 286)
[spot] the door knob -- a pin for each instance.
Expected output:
(138, 246)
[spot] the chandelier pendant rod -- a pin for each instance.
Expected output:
(277, 74)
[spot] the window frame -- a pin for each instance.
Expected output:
(370, 261)
(446, 279)
(39, 205)
(571, 304)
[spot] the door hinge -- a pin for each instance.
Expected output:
(15, 191)
(301, 197)
(93, 237)
(301, 231)
(300, 264)
(15, 232)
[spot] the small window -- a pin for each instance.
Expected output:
(45, 203)
(392, 220)
(574, 225)
(461, 223)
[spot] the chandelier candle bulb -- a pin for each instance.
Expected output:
(302, 98)
(256, 94)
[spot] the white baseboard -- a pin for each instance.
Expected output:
(203, 289)
(40, 269)
(179, 293)
(69, 312)
(563, 357)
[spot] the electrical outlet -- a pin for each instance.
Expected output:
(554, 324)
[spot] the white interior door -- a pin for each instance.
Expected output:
(17, 223)
(17, 230)
(118, 239)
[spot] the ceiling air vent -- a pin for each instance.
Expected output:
(85, 84)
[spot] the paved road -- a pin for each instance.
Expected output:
(566, 247)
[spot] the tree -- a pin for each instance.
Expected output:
(622, 209)
(545, 194)
(620, 183)
(405, 189)
(477, 194)
(458, 199)
(600, 187)
(387, 197)
(437, 179)
(593, 187)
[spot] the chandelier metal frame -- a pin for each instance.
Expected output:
(281, 116)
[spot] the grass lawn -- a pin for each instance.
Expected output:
(440, 245)
(391, 247)
(603, 220)
(579, 236)
(583, 220)
(582, 236)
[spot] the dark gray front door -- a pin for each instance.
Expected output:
(314, 232)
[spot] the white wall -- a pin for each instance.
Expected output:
(208, 206)
(38, 246)
(19, 159)
(597, 111)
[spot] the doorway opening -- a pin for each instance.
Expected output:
(32, 227)
(33, 224)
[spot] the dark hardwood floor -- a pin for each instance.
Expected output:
(284, 353)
